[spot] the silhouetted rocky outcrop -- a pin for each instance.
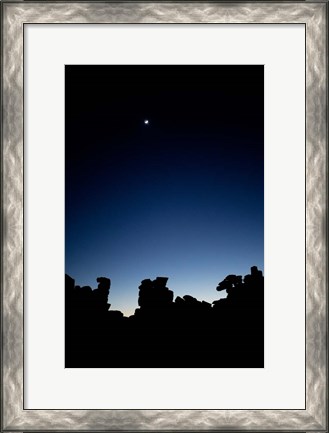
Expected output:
(247, 292)
(166, 333)
(155, 294)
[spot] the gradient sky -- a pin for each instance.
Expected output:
(181, 197)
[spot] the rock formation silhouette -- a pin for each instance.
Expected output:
(155, 294)
(163, 332)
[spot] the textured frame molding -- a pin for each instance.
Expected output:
(315, 16)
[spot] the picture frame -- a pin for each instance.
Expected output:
(314, 15)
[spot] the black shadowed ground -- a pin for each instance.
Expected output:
(165, 332)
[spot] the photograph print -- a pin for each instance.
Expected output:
(164, 216)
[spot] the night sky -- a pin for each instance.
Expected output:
(181, 196)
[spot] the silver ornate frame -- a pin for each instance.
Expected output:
(315, 16)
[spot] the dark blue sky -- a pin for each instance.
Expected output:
(181, 197)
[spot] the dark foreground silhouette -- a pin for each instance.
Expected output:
(163, 332)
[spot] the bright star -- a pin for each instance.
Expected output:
(146, 122)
